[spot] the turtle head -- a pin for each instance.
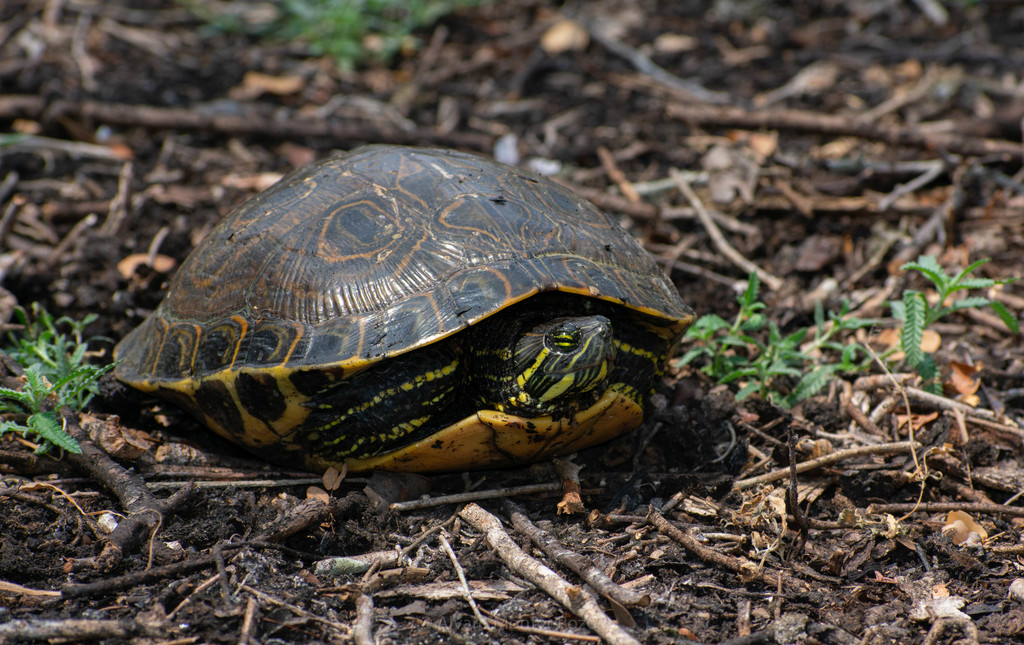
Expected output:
(558, 365)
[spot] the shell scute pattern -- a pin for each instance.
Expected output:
(358, 264)
(364, 257)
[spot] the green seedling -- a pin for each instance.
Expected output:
(917, 314)
(350, 31)
(56, 375)
(734, 353)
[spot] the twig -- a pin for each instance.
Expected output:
(945, 507)
(816, 122)
(297, 518)
(56, 254)
(371, 581)
(10, 588)
(774, 283)
(462, 579)
(576, 562)
(745, 568)
(8, 184)
(811, 464)
(482, 590)
(35, 143)
(550, 633)
(575, 599)
(117, 213)
(7, 219)
(362, 628)
(937, 168)
(146, 512)
(616, 175)
(862, 420)
(475, 496)
(248, 622)
(78, 630)
(902, 96)
(943, 403)
(609, 202)
(645, 66)
(331, 625)
(199, 589)
(288, 127)
(237, 483)
(108, 585)
(571, 502)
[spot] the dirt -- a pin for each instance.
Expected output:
(832, 142)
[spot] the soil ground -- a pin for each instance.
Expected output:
(826, 144)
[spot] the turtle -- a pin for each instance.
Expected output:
(411, 309)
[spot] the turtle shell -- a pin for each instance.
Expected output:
(365, 256)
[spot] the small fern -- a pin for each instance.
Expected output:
(917, 314)
(56, 376)
(915, 309)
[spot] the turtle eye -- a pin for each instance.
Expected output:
(564, 339)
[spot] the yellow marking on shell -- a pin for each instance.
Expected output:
(243, 328)
(488, 439)
(257, 433)
(291, 348)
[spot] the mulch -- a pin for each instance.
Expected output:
(822, 146)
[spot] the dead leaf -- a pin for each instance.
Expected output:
(931, 600)
(26, 126)
(918, 420)
(296, 155)
(817, 252)
(764, 144)
(817, 78)
(564, 36)
(622, 615)
(700, 507)
(120, 442)
(161, 264)
(931, 341)
(315, 492)
(181, 195)
(675, 43)
(260, 181)
(960, 526)
(181, 454)
(963, 378)
(890, 340)
(732, 172)
(255, 84)
(333, 477)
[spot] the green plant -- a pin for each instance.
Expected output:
(917, 314)
(350, 31)
(734, 353)
(56, 375)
